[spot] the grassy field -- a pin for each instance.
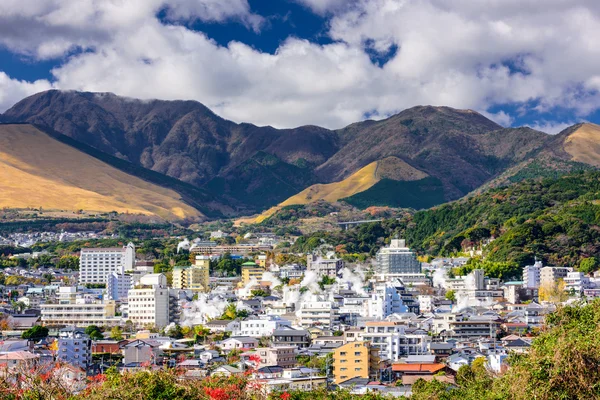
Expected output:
(584, 144)
(39, 171)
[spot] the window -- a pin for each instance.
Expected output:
(358, 369)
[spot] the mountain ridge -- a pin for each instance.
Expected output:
(247, 168)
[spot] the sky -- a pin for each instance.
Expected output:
(287, 63)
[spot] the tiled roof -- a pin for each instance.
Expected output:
(431, 368)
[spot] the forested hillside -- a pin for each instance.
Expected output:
(556, 220)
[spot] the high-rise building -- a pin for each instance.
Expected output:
(74, 347)
(149, 300)
(531, 275)
(96, 264)
(397, 259)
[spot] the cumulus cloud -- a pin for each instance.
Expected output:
(466, 54)
(12, 90)
(550, 127)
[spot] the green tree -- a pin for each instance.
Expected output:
(94, 332)
(35, 333)
(116, 333)
(451, 295)
(588, 265)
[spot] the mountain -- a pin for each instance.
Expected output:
(184, 140)
(37, 170)
(240, 169)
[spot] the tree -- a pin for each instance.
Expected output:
(553, 292)
(259, 293)
(116, 333)
(588, 265)
(175, 332)
(35, 333)
(68, 262)
(451, 295)
(94, 332)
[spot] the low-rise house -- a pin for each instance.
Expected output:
(140, 352)
(239, 343)
(227, 370)
(222, 325)
(400, 370)
(108, 346)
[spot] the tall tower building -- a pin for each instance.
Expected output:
(397, 259)
(195, 277)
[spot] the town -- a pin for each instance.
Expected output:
(316, 323)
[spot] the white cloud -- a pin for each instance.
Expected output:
(323, 7)
(464, 54)
(550, 127)
(12, 90)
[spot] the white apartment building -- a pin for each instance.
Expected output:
(118, 285)
(96, 264)
(392, 341)
(385, 300)
(148, 302)
(262, 326)
(577, 281)
(531, 275)
(319, 313)
(78, 311)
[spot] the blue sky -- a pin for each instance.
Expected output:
(325, 62)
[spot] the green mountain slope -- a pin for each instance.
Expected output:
(555, 219)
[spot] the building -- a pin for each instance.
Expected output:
(149, 301)
(577, 282)
(298, 338)
(393, 341)
(96, 264)
(283, 356)
(531, 275)
(319, 313)
(397, 259)
(262, 326)
(549, 276)
(323, 266)
(355, 360)
(71, 307)
(261, 261)
(82, 312)
(251, 271)
(239, 342)
(74, 347)
(195, 278)
(218, 234)
(117, 286)
(386, 299)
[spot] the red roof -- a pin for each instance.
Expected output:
(422, 367)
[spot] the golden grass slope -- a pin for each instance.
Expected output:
(390, 168)
(584, 144)
(39, 171)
